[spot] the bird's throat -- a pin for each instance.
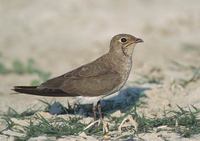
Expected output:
(127, 51)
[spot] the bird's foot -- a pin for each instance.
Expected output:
(100, 121)
(97, 123)
(105, 127)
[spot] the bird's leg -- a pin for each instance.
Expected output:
(96, 122)
(105, 124)
(97, 106)
(99, 110)
(94, 108)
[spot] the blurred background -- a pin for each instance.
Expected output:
(44, 39)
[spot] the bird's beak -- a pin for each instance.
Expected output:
(138, 40)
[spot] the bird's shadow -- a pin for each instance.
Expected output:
(123, 101)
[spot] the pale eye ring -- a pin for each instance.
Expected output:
(123, 40)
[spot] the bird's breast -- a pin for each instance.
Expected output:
(124, 71)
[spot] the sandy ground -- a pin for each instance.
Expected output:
(61, 35)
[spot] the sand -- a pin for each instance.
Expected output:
(62, 35)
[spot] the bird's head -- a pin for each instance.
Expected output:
(124, 43)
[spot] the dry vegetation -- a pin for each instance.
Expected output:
(43, 39)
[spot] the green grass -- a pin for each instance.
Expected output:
(54, 127)
(190, 47)
(21, 68)
(195, 73)
(18, 67)
(194, 78)
(3, 69)
(30, 68)
(11, 113)
(63, 110)
(183, 121)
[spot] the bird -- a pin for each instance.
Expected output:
(99, 78)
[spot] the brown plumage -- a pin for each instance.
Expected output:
(99, 78)
(103, 76)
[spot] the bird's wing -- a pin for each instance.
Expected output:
(101, 84)
(89, 80)
(85, 71)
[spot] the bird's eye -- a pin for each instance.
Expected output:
(123, 40)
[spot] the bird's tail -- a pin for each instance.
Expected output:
(26, 89)
(34, 90)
